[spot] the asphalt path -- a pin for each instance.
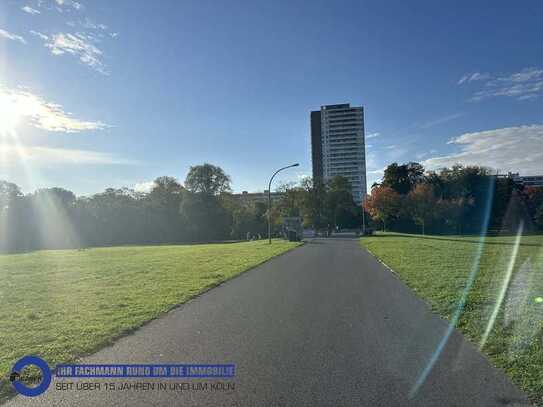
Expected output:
(325, 324)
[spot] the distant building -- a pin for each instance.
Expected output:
(526, 180)
(250, 197)
(338, 146)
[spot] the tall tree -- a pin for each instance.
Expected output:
(403, 178)
(202, 208)
(207, 179)
(166, 195)
(313, 203)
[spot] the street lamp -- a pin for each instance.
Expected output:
(269, 197)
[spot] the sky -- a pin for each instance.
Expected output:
(97, 94)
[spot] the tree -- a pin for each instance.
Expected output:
(206, 217)
(533, 199)
(207, 179)
(162, 220)
(539, 217)
(14, 220)
(449, 212)
(250, 219)
(9, 192)
(53, 212)
(383, 204)
(415, 173)
(403, 178)
(340, 207)
(421, 204)
(117, 216)
(56, 196)
(165, 189)
(313, 203)
(291, 201)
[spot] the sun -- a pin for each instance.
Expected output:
(10, 114)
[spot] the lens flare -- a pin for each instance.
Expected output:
(10, 115)
(505, 285)
(463, 298)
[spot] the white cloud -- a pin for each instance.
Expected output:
(372, 135)
(98, 30)
(420, 156)
(378, 171)
(523, 85)
(18, 105)
(11, 36)
(470, 77)
(14, 155)
(516, 149)
(441, 120)
(39, 34)
(88, 23)
(145, 186)
(77, 45)
(528, 97)
(30, 10)
(69, 3)
(525, 75)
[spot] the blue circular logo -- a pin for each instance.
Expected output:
(16, 374)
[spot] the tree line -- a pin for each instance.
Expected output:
(459, 200)
(202, 209)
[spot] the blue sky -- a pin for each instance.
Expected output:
(98, 93)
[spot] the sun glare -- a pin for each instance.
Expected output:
(10, 115)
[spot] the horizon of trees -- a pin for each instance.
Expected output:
(202, 209)
(455, 200)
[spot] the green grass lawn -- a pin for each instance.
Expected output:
(60, 304)
(438, 268)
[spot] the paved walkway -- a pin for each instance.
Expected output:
(323, 325)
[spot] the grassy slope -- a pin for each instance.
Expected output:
(437, 268)
(65, 303)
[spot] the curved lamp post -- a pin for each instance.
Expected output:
(269, 197)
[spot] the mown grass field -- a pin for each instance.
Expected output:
(60, 304)
(438, 269)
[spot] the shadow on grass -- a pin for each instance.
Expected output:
(459, 239)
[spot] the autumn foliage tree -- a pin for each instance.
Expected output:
(459, 199)
(383, 204)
